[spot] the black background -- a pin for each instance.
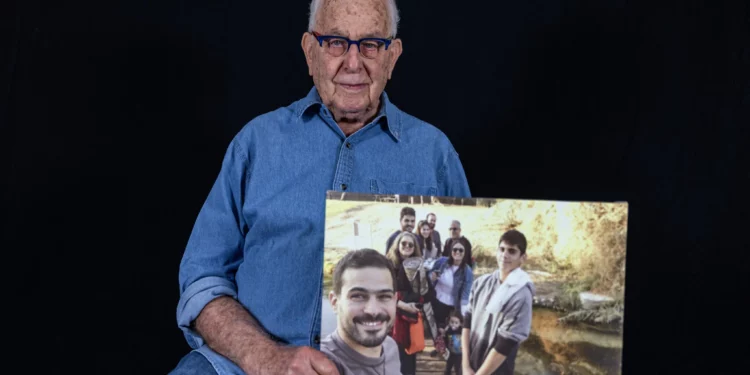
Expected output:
(116, 115)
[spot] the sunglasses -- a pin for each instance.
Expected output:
(458, 250)
(407, 244)
(454, 228)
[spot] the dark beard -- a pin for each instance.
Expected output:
(367, 340)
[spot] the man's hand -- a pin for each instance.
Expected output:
(408, 307)
(231, 331)
(434, 276)
(467, 370)
(412, 307)
(285, 360)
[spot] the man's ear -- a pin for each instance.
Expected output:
(308, 43)
(524, 258)
(395, 49)
(333, 300)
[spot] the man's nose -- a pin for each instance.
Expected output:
(371, 307)
(352, 58)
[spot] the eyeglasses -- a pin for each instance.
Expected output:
(458, 250)
(407, 244)
(338, 45)
(454, 228)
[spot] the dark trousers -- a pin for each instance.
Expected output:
(193, 363)
(408, 361)
(454, 363)
(442, 312)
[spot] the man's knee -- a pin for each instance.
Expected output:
(193, 363)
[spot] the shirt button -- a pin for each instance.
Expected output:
(348, 145)
(343, 186)
(316, 340)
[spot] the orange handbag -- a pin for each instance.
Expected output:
(416, 335)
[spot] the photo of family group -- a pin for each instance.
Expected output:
(445, 285)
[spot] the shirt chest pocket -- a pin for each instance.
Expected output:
(402, 188)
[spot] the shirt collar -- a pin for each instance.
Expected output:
(388, 111)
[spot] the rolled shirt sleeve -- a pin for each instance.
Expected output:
(452, 175)
(516, 325)
(214, 249)
(195, 298)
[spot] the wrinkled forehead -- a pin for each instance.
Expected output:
(354, 18)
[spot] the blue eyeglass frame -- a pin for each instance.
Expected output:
(322, 38)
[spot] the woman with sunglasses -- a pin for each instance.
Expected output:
(411, 286)
(452, 277)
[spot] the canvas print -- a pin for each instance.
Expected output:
(428, 285)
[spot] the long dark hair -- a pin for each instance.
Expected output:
(467, 252)
(427, 240)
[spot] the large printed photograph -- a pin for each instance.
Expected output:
(435, 285)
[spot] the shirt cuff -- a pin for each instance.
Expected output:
(467, 320)
(195, 298)
(504, 346)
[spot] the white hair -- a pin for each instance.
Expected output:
(390, 6)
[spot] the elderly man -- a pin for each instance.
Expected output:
(455, 232)
(364, 299)
(251, 275)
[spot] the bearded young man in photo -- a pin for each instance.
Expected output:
(363, 298)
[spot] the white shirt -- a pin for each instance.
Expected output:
(444, 286)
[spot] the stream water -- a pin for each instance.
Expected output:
(554, 348)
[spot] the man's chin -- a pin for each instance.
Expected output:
(352, 106)
(373, 341)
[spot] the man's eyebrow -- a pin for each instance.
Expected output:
(363, 290)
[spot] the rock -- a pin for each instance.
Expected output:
(557, 368)
(583, 368)
(548, 295)
(539, 275)
(591, 301)
(527, 364)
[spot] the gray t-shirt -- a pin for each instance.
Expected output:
(350, 362)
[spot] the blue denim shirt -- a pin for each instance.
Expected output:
(259, 234)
